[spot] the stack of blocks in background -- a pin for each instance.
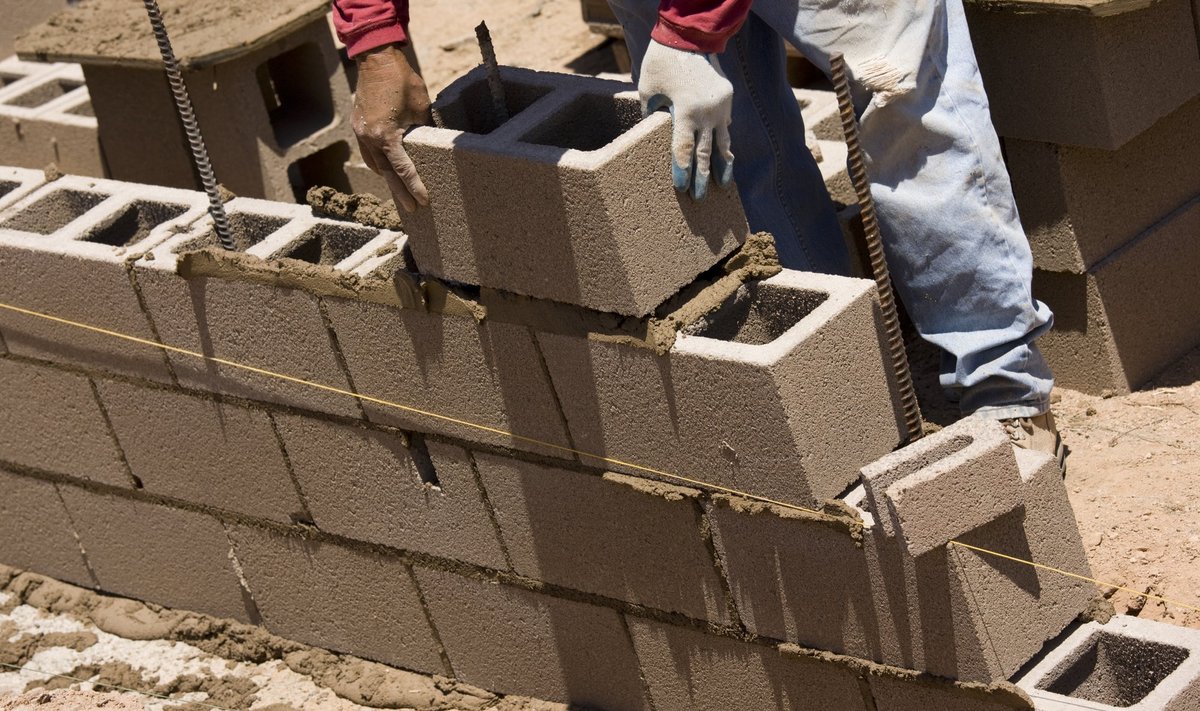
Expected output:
(46, 118)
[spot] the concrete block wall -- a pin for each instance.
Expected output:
(46, 118)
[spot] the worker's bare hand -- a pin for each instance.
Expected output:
(391, 99)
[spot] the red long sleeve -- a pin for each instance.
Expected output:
(366, 24)
(699, 25)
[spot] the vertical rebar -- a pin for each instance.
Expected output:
(883, 281)
(495, 84)
(191, 127)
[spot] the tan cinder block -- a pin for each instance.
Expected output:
(16, 183)
(625, 538)
(512, 640)
(1132, 315)
(1144, 59)
(687, 670)
(45, 118)
(170, 557)
(341, 599)
(35, 531)
(49, 419)
(1078, 205)
(201, 451)
(897, 690)
(755, 397)
(364, 484)
(569, 200)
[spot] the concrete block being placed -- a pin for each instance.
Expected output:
(35, 532)
(1143, 54)
(1108, 335)
(201, 451)
(382, 488)
(350, 601)
(511, 640)
(569, 200)
(167, 556)
(50, 420)
(757, 395)
(1126, 663)
(630, 539)
(1079, 205)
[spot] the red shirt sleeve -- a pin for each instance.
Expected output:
(366, 24)
(699, 25)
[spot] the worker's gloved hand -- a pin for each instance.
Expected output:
(701, 103)
(391, 98)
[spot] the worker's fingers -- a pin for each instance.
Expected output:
(406, 171)
(368, 156)
(683, 158)
(704, 145)
(722, 160)
(400, 195)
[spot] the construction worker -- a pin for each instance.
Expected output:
(958, 254)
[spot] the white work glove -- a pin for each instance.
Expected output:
(701, 103)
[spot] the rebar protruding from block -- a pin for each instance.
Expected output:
(495, 84)
(191, 127)
(883, 280)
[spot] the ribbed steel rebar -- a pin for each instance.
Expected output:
(183, 102)
(883, 280)
(495, 84)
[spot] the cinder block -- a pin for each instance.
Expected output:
(511, 640)
(63, 252)
(1131, 315)
(46, 119)
(487, 373)
(1124, 663)
(201, 451)
(366, 484)
(35, 531)
(333, 597)
(944, 485)
(170, 557)
(781, 391)
(1078, 205)
(1142, 59)
(49, 419)
(902, 690)
(16, 183)
(630, 539)
(569, 200)
(687, 670)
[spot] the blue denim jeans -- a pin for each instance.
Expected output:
(958, 255)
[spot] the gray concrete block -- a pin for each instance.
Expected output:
(170, 557)
(63, 252)
(364, 484)
(201, 451)
(511, 640)
(45, 118)
(1085, 77)
(687, 670)
(16, 183)
(899, 690)
(486, 373)
(569, 200)
(35, 531)
(1124, 663)
(625, 538)
(333, 597)
(1112, 331)
(49, 419)
(944, 485)
(1078, 205)
(755, 397)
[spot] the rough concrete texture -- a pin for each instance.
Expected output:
(16, 183)
(345, 600)
(1107, 334)
(150, 552)
(512, 640)
(1078, 205)
(1124, 663)
(944, 485)
(910, 692)
(1144, 65)
(555, 203)
(35, 531)
(50, 420)
(487, 373)
(749, 400)
(687, 670)
(624, 538)
(63, 252)
(201, 451)
(366, 484)
(46, 119)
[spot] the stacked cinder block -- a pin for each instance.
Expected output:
(1098, 112)
(46, 118)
